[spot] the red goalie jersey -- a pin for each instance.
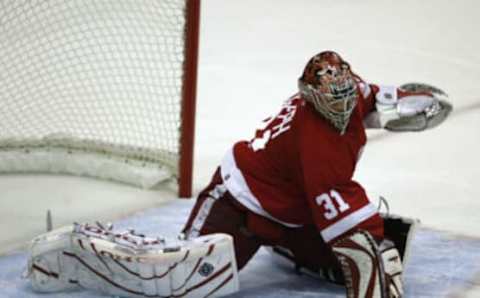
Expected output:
(298, 169)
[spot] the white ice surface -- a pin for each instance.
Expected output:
(251, 54)
(434, 269)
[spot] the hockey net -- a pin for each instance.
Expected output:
(99, 88)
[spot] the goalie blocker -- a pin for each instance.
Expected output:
(131, 265)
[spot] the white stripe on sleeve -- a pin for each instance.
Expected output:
(348, 222)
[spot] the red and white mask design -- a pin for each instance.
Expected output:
(328, 83)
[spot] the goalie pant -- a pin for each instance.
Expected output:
(217, 211)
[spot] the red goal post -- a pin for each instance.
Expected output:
(104, 89)
(192, 34)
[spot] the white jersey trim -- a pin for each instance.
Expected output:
(235, 182)
(348, 222)
(365, 89)
(204, 210)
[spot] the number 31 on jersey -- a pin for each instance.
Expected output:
(333, 203)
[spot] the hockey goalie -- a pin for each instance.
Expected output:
(289, 188)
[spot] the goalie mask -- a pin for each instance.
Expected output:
(328, 83)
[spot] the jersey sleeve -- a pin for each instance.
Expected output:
(342, 209)
(367, 94)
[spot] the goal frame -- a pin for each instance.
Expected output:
(59, 152)
(189, 90)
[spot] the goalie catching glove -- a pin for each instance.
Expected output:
(411, 107)
(132, 265)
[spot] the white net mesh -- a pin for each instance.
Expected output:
(99, 77)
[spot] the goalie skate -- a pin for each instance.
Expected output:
(132, 265)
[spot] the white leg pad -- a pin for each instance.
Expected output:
(131, 265)
(363, 266)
